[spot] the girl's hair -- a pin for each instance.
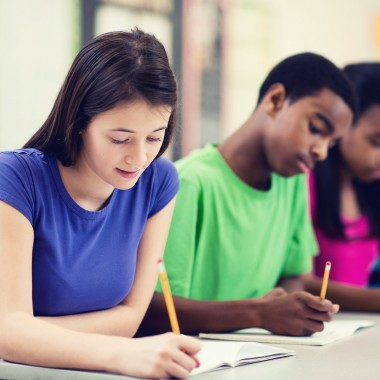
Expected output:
(365, 78)
(113, 68)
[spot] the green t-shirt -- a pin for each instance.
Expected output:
(229, 241)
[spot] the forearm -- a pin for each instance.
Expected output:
(291, 284)
(348, 297)
(120, 320)
(26, 339)
(201, 316)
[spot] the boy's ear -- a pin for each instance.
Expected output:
(275, 98)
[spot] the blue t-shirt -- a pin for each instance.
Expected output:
(82, 260)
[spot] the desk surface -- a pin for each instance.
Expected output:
(353, 358)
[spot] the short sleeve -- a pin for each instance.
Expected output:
(16, 184)
(303, 245)
(182, 240)
(165, 185)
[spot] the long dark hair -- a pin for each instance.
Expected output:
(365, 77)
(112, 68)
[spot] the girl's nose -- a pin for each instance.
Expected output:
(136, 155)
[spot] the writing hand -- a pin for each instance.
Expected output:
(298, 314)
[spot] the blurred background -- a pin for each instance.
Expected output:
(220, 50)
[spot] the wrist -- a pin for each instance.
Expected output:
(255, 313)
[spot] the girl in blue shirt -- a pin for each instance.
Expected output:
(85, 209)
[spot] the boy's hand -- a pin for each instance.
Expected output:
(298, 314)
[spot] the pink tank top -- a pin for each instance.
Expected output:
(351, 259)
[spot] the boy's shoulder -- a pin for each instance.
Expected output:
(200, 163)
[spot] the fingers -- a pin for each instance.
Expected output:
(189, 345)
(184, 359)
(197, 362)
(297, 314)
(316, 303)
(276, 292)
(335, 308)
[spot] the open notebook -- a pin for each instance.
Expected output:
(333, 331)
(217, 355)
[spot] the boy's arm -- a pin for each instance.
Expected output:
(298, 314)
(292, 284)
(195, 316)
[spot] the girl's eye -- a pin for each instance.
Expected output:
(151, 139)
(114, 141)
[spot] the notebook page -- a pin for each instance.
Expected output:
(216, 355)
(332, 332)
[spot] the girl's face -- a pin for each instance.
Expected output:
(119, 144)
(360, 146)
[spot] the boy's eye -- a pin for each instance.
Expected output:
(314, 129)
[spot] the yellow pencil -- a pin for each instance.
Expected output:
(168, 297)
(325, 279)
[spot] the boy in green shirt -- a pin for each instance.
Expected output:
(241, 237)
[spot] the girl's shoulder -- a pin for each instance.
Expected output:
(22, 158)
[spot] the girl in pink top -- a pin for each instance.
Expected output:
(345, 189)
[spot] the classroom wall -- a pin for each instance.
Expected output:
(39, 38)
(344, 30)
(263, 32)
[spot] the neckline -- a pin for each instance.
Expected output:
(234, 178)
(69, 201)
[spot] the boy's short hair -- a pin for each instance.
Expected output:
(365, 79)
(306, 74)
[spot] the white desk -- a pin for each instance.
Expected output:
(354, 358)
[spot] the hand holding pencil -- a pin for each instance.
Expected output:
(170, 303)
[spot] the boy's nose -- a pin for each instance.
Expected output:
(320, 151)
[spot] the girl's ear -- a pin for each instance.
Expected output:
(274, 98)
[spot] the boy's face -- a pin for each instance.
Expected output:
(301, 133)
(360, 146)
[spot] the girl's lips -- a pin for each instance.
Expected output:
(126, 174)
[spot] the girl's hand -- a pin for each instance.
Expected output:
(160, 356)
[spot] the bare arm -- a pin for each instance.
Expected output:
(291, 284)
(195, 316)
(348, 297)
(26, 339)
(298, 313)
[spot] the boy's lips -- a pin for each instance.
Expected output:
(304, 165)
(375, 175)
